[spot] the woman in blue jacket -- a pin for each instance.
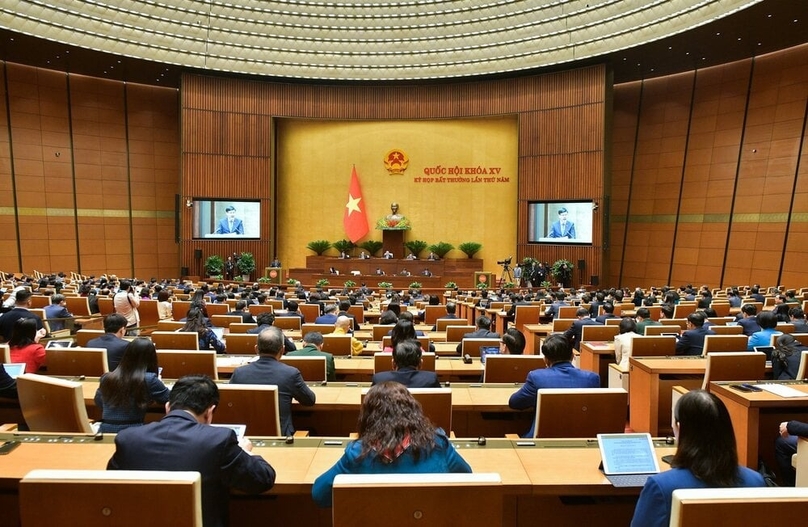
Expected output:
(706, 456)
(394, 437)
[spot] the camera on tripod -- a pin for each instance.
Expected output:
(506, 261)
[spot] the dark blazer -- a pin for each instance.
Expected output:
(692, 341)
(479, 334)
(559, 375)
(180, 442)
(749, 325)
(326, 319)
(576, 330)
(409, 377)
(288, 345)
(10, 317)
(601, 319)
(114, 346)
(269, 370)
(246, 318)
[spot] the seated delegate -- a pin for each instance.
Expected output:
(394, 438)
(706, 456)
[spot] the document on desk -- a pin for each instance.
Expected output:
(782, 390)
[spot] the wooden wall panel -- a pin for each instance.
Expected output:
(739, 131)
(84, 156)
(227, 128)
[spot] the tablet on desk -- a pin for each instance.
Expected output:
(488, 350)
(628, 459)
(59, 344)
(240, 430)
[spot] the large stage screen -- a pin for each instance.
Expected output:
(226, 218)
(560, 222)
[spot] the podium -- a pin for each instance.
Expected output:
(275, 274)
(393, 241)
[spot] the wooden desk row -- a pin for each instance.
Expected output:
(557, 480)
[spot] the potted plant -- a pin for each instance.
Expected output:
(470, 248)
(562, 271)
(343, 246)
(482, 285)
(319, 246)
(385, 285)
(246, 265)
(416, 247)
(450, 285)
(214, 265)
(441, 248)
(372, 246)
(415, 285)
(509, 285)
(264, 280)
(322, 282)
(291, 281)
(349, 284)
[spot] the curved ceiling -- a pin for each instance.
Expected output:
(358, 40)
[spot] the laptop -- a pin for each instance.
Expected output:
(488, 350)
(628, 459)
(14, 369)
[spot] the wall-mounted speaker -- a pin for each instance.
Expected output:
(581, 265)
(198, 254)
(593, 280)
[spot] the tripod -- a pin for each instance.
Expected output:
(506, 272)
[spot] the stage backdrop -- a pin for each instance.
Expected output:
(459, 185)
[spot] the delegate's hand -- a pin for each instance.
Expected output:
(784, 429)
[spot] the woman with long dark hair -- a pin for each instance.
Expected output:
(786, 358)
(195, 323)
(24, 344)
(394, 437)
(124, 394)
(706, 456)
(403, 330)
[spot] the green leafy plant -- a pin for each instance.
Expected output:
(509, 285)
(450, 285)
(441, 248)
(264, 280)
(372, 246)
(482, 285)
(415, 285)
(214, 265)
(239, 278)
(350, 283)
(322, 282)
(416, 247)
(246, 264)
(562, 271)
(470, 248)
(319, 246)
(546, 284)
(291, 281)
(343, 246)
(385, 285)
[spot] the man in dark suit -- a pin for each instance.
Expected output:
(451, 313)
(265, 320)
(560, 373)
(562, 228)
(747, 319)
(330, 316)
(268, 369)
(243, 311)
(112, 339)
(797, 317)
(230, 224)
(692, 340)
(406, 368)
(576, 330)
(20, 310)
(608, 312)
(183, 440)
(483, 331)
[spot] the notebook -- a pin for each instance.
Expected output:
(488, 350)
(14, 369)
(628, 459)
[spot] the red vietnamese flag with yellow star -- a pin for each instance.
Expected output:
(355, 219)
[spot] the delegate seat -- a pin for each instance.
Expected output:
(50, 404)
(460, 500)
(510, 368)
(177, 363)
(580, 412)
(241, 343)
(78, 498)
(734, 366)
(313, 369)
(384, 362)
(454, 333)
(740, 505)
(175, 340)
(472, 347)
(254, 405)
(73, 362)
(436, 402)
(724, 343)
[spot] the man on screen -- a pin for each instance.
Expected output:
(230, 224)
(562, 228)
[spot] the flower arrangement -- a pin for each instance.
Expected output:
(385, 285)
(349, 283)
(400, 224)
(322, 282)
(450, 285)
(415, 285)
